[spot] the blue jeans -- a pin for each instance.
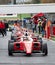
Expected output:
(43, 33)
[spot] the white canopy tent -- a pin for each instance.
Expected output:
(27, 8)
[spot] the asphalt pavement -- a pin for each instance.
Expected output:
(22, 59)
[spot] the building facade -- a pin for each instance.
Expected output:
(47, 1)
(2, 2)
(5, 2)
(17, 1)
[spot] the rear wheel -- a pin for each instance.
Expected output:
(45, 50)
(10, 47)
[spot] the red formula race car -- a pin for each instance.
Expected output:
(28, 45)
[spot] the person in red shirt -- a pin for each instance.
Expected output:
(2, 26)
(35, 22)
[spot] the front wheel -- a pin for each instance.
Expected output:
(45, 50)
(10, 48)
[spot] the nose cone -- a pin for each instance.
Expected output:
(28, 47)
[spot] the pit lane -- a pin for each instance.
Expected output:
(22, 59)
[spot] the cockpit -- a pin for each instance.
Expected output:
(25, 39)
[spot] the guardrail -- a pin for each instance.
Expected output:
(27, 8)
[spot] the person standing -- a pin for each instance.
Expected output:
(17, 26)
(33, 27)
(43, 28)
(6, 26)
(40, 26)
(35, 22)
(2, 26)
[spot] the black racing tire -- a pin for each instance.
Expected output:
(12, 37)
(10, 47)
(45, 49)
(40, 40)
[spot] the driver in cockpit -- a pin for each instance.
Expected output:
(26, 33)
